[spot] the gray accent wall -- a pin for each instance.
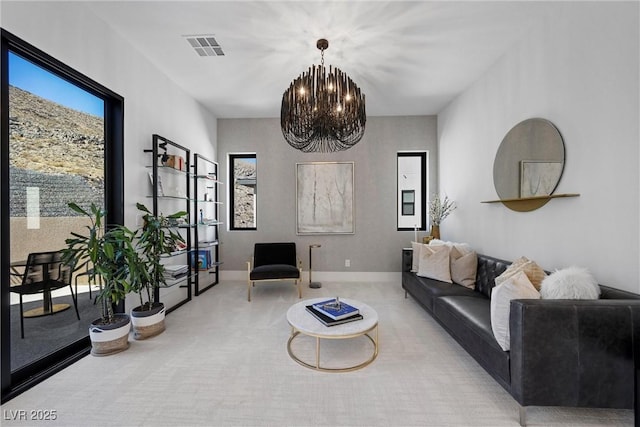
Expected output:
(376, 245)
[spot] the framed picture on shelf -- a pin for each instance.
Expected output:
(160, 188)
(539, 178)
(325, 198)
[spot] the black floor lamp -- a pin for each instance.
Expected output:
(313, 284)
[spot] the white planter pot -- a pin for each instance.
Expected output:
(148, 323)
(110, 339)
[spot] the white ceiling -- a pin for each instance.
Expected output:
(409, 58)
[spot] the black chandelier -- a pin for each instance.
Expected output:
(322, 112)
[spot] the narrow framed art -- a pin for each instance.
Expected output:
(325, 198)
(539, 177)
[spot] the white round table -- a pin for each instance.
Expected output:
(303, 322)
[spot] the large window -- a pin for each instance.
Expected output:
(61, 143)
(243, 179)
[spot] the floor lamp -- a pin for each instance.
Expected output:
(313, 284)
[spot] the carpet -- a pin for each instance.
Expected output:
(223, 362)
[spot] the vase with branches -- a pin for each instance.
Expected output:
(439, 209)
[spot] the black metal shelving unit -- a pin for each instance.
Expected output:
(206, 210)
(171, 192)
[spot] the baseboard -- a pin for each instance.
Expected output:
(328, 276)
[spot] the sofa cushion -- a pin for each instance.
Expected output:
(275, 272)
(425, 290)
(607, 292)
(464, 267)
(534, 272)
(468, 320)
(488, 269)
(415, 256)
(517, 286)
(570, 283)
(434, 263)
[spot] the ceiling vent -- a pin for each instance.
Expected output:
(205, 45)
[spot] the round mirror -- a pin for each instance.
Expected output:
(528, 164)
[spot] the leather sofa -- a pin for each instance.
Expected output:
(575, 353)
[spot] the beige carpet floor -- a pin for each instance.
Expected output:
(223, 362)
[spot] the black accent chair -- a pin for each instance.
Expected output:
(274, 262)
(44, 272)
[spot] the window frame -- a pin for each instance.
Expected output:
(14, 383)
(231, 158)
(408, 207)
(420, 192)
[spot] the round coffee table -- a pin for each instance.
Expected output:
(303, 322)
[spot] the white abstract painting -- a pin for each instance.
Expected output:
(539, 178)
(325, 198)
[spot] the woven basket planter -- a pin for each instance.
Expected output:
(147, 323)
(112, 338)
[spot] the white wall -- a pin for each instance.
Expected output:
(580, 70)
(152, 102)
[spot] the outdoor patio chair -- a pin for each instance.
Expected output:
(44, 272)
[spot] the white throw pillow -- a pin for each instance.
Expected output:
(464, 267)
(570, 283)
(534, 272)
(517, 286)
(434, 263)
(464, 248)
(415, 261)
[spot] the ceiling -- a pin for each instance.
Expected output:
(409, 58)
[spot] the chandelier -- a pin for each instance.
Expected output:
(322, 112)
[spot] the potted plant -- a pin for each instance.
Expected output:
(154, 239)
(107, 253)
(439, 209)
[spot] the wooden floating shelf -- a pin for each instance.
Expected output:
(526, 199)
(528, 204)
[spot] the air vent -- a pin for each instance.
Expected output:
(205, 45)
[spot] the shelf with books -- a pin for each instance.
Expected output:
(174, 254)
(170, 283)
(206, 207)
(207, 244)
(170, 181)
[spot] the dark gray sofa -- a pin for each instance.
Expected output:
(563, 352)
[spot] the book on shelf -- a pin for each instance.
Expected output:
(175, 271)
(336, 309)
(328, 321)
(201, 260)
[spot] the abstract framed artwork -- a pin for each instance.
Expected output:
(325, 198)
(539, 178)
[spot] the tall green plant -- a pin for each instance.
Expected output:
(156, 237)
(107, 252)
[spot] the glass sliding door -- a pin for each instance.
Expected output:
(61, 143)
(56, 156)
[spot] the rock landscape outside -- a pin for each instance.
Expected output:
(58, 150)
